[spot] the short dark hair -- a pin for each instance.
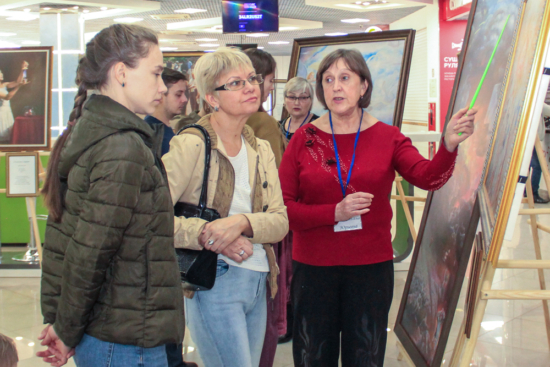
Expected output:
(263, 63)
(8, 352)
(171, 77)
(355, 62)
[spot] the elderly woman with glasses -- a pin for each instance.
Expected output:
(298, 102)
(337, 175)
(228, 322)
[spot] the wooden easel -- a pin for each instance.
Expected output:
(404, 200)
(31, 207)
(464, 348)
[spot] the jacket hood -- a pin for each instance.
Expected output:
(101, 117)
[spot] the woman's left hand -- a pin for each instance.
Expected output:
(459, 128)
(217, 235)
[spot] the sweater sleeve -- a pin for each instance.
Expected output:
(419, 171)
(115, 187)
(301, 216)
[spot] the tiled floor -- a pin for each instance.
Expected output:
(512, 334)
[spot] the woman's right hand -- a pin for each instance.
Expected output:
(353, 205)
(57, 353)
(241, 244)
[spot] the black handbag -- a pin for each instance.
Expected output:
(198, 267)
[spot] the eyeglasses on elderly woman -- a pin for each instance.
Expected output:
(299, 99)
(239, 84)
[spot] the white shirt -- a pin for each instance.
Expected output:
(242, 203)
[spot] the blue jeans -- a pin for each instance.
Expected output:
(227, 323)
(92, 352)
(537, 172)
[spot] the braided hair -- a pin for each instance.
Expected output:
(117, 43)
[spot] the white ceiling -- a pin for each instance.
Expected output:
(323, 17)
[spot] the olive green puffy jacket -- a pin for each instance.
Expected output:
(109, 267)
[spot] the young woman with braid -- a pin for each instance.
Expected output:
(110, 292)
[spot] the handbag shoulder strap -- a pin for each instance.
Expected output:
(207, 152)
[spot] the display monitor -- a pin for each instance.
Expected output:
(248, 16)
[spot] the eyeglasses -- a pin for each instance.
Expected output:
(239, 84)
(300, 99)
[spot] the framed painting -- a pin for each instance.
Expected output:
(22, 170)
(25, 98)
(185, 62)
(388, 55)
(515, 136)
(473, 283)
(451, 215)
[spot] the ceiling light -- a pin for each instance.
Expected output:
(18, 338)
(30, 42)
(75, 7)
(4, 44)
(279, 43)
(366, 3)
(85, 11)
(64, 9)
(46, 9)
(336, 34)
(260, 47)
(104, 8)
(168, 48)
(209, 45)
(257, 35)
(27, 10)
(355, 20)
(23, 17)
(288, 28)
(206, 39)
(7, 34)
(31, 344)
(128, 20)
(190, 11)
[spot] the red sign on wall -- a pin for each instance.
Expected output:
(451, 38)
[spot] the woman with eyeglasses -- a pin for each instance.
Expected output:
(228, 322)
(298, 102)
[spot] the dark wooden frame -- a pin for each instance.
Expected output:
(37, 172)
(48, 103)
(473, 284)
(400, 331)
(406, 34)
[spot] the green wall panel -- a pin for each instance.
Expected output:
(14, 223)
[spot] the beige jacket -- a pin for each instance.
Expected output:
(185, 166)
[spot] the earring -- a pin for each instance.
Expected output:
(361, 97)
(216, 108)
(122, 84)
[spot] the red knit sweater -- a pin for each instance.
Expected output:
(311, 190)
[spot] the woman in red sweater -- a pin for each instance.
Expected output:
(337, 176)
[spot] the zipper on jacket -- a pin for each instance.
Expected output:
(256, 174)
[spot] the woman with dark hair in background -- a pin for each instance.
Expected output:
(6, 114)
(111, 290)
(267, 128)
(264, 126)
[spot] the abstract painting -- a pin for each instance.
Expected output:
(25, 98)
(510, 137)
(388, 56)
(184, 62)
(450, 216)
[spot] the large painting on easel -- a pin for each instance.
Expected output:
(450, 218)
(388, 55)
(509, 148)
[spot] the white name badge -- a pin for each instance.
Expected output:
(352, 224)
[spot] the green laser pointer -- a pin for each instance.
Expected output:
(486, 69)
